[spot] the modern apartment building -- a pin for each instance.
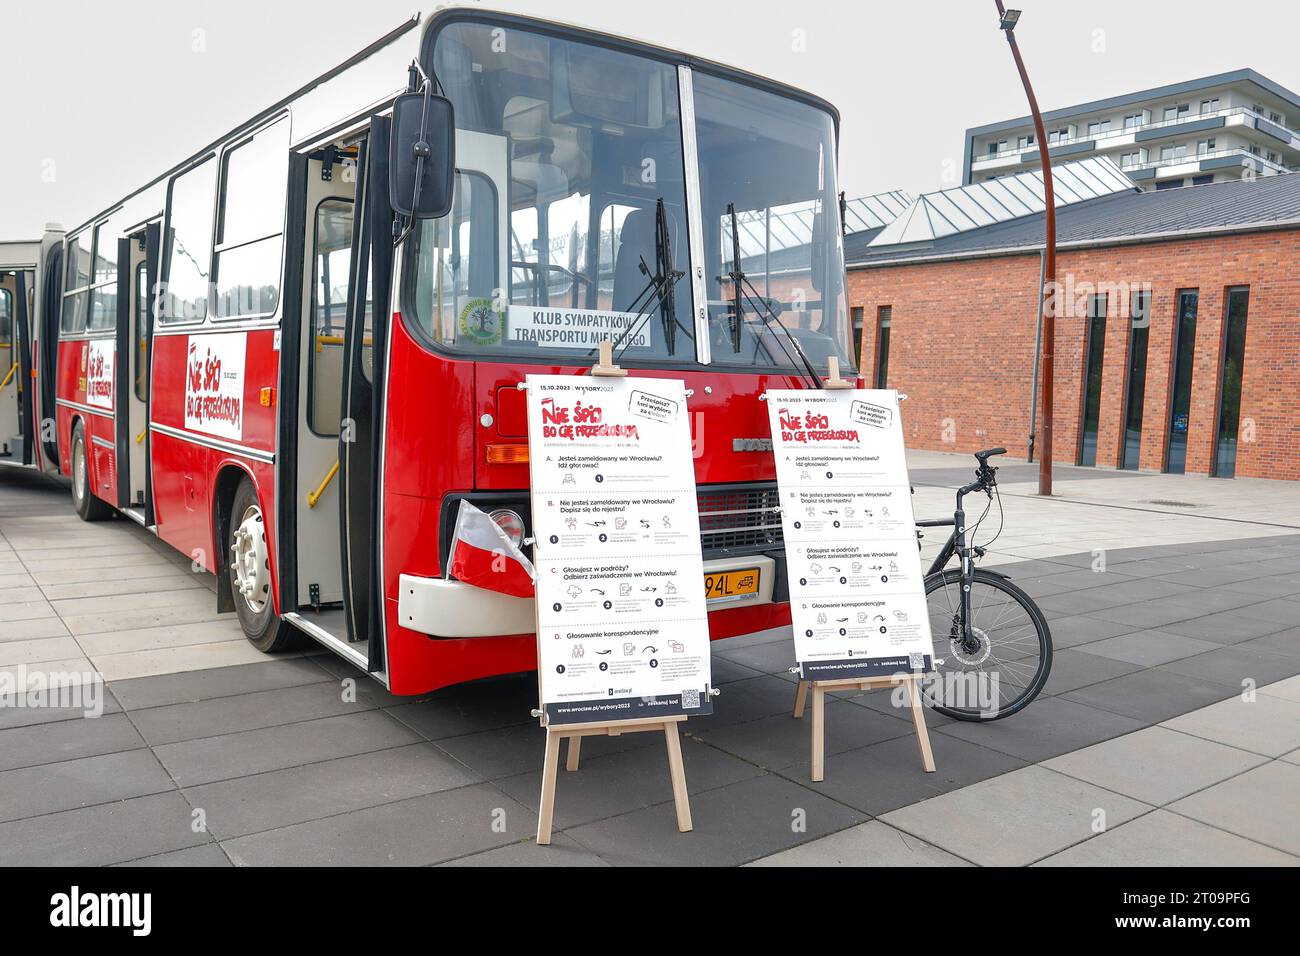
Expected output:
(1237, 125)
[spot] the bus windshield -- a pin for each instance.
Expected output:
(571, 199)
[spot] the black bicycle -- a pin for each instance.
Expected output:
(992, 647)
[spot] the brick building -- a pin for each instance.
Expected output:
(1177, 337)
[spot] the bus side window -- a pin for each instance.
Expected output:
(102, 315)
(250, 231)
(72, 315)
(332, 269)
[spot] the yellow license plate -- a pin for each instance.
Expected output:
(730, 585)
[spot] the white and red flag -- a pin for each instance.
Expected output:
(483, 555)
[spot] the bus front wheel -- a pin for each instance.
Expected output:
(249, 553)
(88, 506)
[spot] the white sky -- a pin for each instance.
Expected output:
(101, 97)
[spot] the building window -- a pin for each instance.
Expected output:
(1177, 112)
(1234, 353)
(1180, 400)
(1133, 121)
(1272, 157)
(1203, 180)
(1275, 117)
(1205, 146)
(1171, 184)
(1095, 350)
(884, 319)
(855, 314)
(1135, 391)
(1209, 106)
(1130, 159)
(1024, 142)
(1099, 127)
(1057, 136)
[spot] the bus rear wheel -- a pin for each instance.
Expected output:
(88, 506)
(249, 553)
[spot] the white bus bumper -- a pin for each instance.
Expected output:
(442, 608)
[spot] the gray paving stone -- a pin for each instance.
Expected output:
(868, 844)
(723, 833)
(888, 775)
(1265, 724)
(780, 741)
(769, 658)
(1148, 615)
(1072, 668)
(471, 708)
(431, 828)
(1234, 664)
(1271, 586)
(1226, 627)
(727, 672)
(29, 710)
(1081, 629)
(79, 783)
(209, 759)
(1282, 611)
(507, 751)
(1150, 696)
(1165, 839)
(1014, 819)
(138, 693)
(562, 851)
(228, 715)
(1148, 648)
(208, 854)
(1155, 765)
(1046, 728)
(631, 780)
(284, 797)
(103, 834)
(1284, 643)
(54, 741)
(1259, 805)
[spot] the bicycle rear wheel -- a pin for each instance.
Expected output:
(1007, 659)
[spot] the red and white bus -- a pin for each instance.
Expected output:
(29, 338)
(268, 367)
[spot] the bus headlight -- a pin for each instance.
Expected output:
(511, 523)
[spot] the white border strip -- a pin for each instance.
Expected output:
(218, 444)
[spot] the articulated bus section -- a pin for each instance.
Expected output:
(264, 364)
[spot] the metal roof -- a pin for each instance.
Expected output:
(792, 225)
(963, 208)
(1122, 217)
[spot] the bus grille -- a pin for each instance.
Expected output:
(739, 517)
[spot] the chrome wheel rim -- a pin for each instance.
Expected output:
(249, 565)
(79, 471)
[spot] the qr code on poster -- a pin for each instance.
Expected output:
(916, 662)
(690, 699)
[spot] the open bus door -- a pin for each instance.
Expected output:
(363, 390)
(46, 356)
(15, 369)
(137, 256)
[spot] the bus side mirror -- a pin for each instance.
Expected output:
(421, 156)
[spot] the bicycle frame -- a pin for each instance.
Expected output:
(956, 544)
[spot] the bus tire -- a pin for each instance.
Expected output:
(89, 508)
(249, 554)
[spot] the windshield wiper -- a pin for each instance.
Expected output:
(740, 282)
(659, 289)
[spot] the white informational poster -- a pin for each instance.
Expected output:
(857, 591)
(214, 384)
(99, 372)
(623, 631)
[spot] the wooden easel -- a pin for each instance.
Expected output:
(819, 689)
(575, 733)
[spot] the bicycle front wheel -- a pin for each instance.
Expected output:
(1002, 664)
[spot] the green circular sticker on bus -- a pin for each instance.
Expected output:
(481, 323)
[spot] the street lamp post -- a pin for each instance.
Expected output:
(1007, 20)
